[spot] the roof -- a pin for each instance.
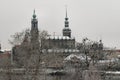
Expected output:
(78, 56)
(112, 72)
(61, 37)
(5, 55)
(61, 50)
(108, 61)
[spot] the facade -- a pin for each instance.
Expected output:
(59, 42)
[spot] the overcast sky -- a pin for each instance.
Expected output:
(94, 19)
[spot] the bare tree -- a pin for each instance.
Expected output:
(18, 37)
(87, 70)
(92, 73)
(27, 55)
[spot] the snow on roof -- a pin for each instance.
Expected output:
(108, 61)
(62, 50)
(79, 56)
(60, 37)
(118, 56)
(113, 72)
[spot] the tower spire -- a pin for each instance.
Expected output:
(34, 11)
(34, 15)
(66, 10)
(66, 30)
(34, 29)
(66, 18)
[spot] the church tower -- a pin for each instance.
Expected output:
(34, 30)
(66, 30)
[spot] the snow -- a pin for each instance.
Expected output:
(62, 50)
(79, 56)
(113, 72)
(60, 37)
(118, 56)
(108, 61)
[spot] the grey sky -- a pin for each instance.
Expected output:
(94, 19)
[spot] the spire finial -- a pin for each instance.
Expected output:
(66, 10)
(66, 18)
(34, 15)
(34, 11)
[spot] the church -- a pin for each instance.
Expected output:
(32, 45)
(66, 41)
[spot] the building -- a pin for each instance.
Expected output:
(30, 48)
(34, 32)
(66, 41)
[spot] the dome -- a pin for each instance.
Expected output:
(34, 16)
